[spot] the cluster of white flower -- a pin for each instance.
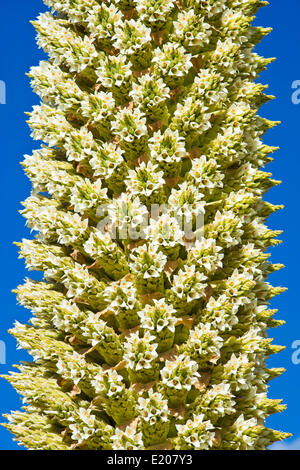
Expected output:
(83, 285)
(204, 345)
(195, 434)
(40, 297)
(148, 262)
(87, 196)
(89, 329)
(79, 144)
(230, 144)
(61, 184)
(75, 9)
(36, 390)
(238, 372)
(180, 374)
(102, 21)
(239, 283)
(211, 8)
(226, 229)
(210, 86)
(40, 257)
(238, 112)
(53, 36)
(150, 94)
(116, 399)
(172, 63)
(130, 127)
(191, 116)
(243, 88)
(233, 142)
(55, 87)
(114, 73)
(102, 337)
(140, 356)
(155, 13)
(187, 206)
(131, 37)
(224, 55)
(206, 255)
(167, 150)
(188, 287)
(234, 24)
(191, 31)
(158, 317)
(153, 408)
(84, 427)
(27, 344)
(217, 401)
(53, 224)
(67, 316)
(48, 124)
(258, 404)
(251, 178)
(221, 312)
(146, 182)
(252, 258)
(55, 262)
(99, 109)
(259, 234)
(70, 228)
(252, 344)
(243, 201)
(165, 232)
(107, 160)
(122, 300)
(205, 174)
(127, 440)
(241, 433)
(72, 367)
(108, 383)
(107, 253)
(49, 175)
(128, 217)
(255, 65)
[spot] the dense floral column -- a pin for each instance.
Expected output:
(144, 336)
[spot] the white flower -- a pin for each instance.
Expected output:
(79, 144)
(206, 254)
(197, 432)
(144, 180)
(168, 146)
(86, 417)
(148, 260)
(127, 440)
(158, 316)
(129, 124)
(132, 36)
(103, 19)
(164, 231)
(129, 216)
(98, 106)
(140, 352)
(106, 160)
(172, 60)
(114, 71)
(149, 92)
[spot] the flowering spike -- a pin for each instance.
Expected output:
(149, 328)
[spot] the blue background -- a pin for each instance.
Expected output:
(19, 52)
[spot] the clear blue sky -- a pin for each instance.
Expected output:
(19, 52)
